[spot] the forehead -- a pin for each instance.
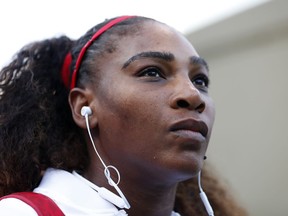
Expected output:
(155, 36)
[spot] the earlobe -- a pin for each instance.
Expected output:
(79, 98)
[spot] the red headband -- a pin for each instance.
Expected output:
(65, 72)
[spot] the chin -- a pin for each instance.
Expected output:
(188, 167)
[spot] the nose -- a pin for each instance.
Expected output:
(187, 96)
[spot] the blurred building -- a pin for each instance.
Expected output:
(248, 59)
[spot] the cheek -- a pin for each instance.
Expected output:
(128, 127)
(129, 114)
(209, 114)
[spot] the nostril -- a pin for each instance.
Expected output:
(201, 107)
(185, 104)
(182, 104)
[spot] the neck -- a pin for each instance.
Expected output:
(152, 202)
(145, 198)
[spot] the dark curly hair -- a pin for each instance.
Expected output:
(36, 126)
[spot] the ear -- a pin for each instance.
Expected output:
(77, 99)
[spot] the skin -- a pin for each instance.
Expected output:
(137, 105)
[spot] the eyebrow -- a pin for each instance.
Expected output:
(195, 60)
(166, 56)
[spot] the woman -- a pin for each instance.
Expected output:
(124, 110)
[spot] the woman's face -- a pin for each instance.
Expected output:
(154, 113)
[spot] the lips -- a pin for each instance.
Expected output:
(192, 125)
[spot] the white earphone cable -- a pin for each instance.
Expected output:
(106, 168)
(204, 198)
(90, 136)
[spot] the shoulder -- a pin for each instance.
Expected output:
(15, 207)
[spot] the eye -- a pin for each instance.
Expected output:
(201, 82)
(152, 72)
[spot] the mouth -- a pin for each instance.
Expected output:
(191, 127)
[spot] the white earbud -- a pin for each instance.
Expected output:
(86, 110)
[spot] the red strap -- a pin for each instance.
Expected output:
(43, 205)
(86, 46)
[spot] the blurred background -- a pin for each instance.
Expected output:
(246, 45)
(248, 55)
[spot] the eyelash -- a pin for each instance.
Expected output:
(157, 73)
(204, 82)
